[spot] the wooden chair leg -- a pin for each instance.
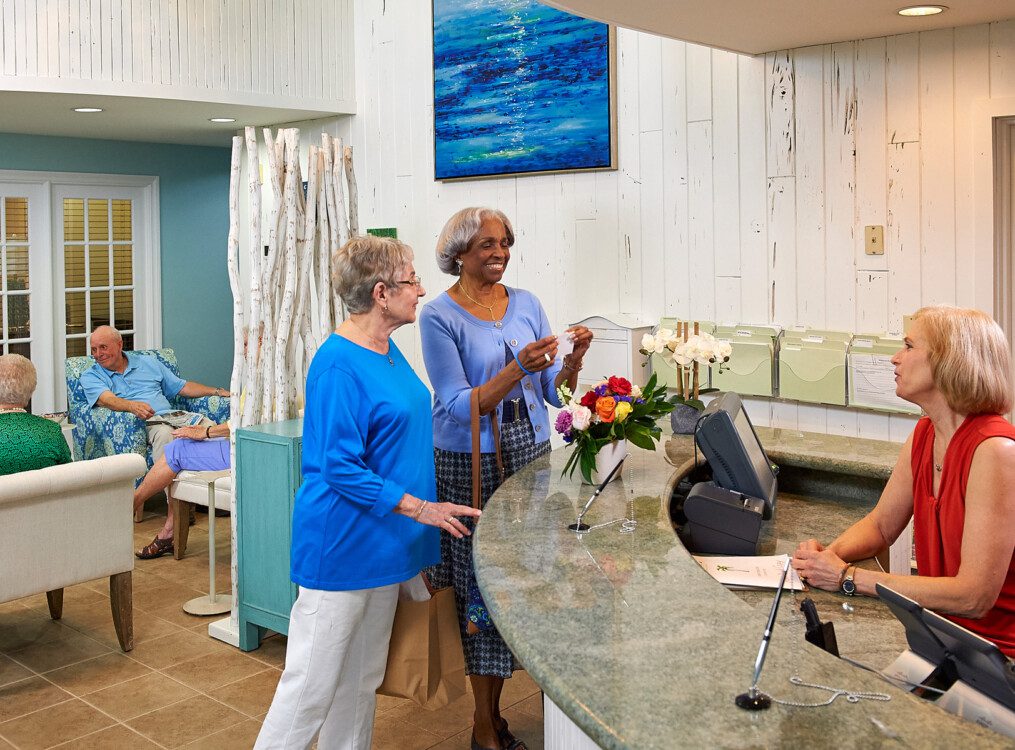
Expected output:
(55, 600)
(181, 526)
(121, 601)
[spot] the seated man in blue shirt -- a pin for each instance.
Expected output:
(142, 386)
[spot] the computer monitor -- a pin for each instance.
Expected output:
(922, 640)
(731, 447)
(979, 662)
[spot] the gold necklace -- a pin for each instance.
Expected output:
(376, 341)
(476, 301)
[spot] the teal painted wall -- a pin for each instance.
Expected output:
(197, 317)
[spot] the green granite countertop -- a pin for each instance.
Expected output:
(630, 638)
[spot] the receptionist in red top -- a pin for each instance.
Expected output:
(955, 477)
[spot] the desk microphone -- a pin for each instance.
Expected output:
(578, 525)
(754, 699)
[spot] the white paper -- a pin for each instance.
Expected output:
(872, 383)
(758, 572)
(565, 345)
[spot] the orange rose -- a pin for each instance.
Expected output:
(605, 406)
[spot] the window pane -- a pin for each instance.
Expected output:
(128, 342)
(17, 269)
(76, 312)
(100, 309)
(98, 265)
(122, 212)
(18, 326)
(123, 265)
(74, 266)
(76, 348)
(73, 220)
(98, 219)
(123, 309)
(16, 219)
(24, 349)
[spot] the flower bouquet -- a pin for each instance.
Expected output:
(687, 352)
(612, 410)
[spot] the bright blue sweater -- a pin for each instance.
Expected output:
(367, 440)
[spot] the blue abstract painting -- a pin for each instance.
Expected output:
(519, 87)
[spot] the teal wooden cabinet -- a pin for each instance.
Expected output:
(268, 460)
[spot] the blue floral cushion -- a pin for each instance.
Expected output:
(102, 432)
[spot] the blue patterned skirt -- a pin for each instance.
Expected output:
(485, 652)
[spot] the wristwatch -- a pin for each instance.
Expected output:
(848, 587)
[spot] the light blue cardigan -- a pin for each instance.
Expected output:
(461, 351)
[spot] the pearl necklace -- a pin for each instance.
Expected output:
(376, 341)
(14, 410)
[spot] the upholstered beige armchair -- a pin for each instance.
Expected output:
(70, 524)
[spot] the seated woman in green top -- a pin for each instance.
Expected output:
(27, 442)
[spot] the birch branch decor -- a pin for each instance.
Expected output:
(285, 311)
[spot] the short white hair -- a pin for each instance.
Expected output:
(116, 334)
(460, 230)
(363, 261)
(17, 380)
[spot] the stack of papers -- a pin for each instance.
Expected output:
(761, 572)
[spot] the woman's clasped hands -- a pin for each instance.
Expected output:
(818, 567)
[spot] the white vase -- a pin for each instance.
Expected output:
(609, 456)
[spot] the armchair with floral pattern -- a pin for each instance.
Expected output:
(103, 432)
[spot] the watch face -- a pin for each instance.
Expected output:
(848, 587)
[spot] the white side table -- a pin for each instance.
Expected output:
(213, 604)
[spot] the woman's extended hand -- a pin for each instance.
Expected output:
(539, 354)
(194, 432)
(582, 338)
(444, 517)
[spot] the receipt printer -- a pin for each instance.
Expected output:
(721, 521)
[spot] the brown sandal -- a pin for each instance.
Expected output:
(157, 548)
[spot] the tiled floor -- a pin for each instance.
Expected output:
(67, 684)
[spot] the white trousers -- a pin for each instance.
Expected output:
(334, 663)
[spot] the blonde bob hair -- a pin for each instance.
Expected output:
(361, 263)
(460, 230)
(969, 359)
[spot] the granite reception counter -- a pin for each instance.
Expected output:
(640, 648)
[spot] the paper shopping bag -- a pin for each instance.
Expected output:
(425, 661)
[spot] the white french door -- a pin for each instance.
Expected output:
(76, 252)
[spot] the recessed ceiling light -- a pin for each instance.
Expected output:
(923, 10)
(222, 119)
(87, 109)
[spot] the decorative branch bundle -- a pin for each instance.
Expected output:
(291, 305)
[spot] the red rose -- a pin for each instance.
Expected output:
(589, 400)
(620, 386)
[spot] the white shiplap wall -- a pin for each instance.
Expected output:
(743, 189)
(257, 52)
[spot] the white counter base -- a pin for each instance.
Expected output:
(560, 733)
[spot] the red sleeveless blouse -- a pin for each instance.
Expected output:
(938, 522)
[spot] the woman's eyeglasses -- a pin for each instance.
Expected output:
(416, 281)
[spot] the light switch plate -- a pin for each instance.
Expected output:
(874, 239)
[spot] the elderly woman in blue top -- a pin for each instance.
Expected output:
(483, 333)
(366, 517)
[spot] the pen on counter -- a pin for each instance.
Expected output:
(754, 699)
(578, 525)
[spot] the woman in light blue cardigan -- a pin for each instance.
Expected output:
(483, 333)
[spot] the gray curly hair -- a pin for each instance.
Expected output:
(17, 380)
(460, 230)
(361, 262)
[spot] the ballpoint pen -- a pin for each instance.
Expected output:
(754, 699)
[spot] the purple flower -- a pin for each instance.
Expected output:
(563, 423)
(628, 399)
(601, 390)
